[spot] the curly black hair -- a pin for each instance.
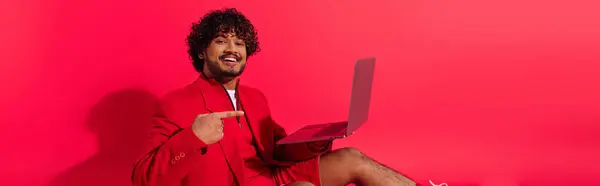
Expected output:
(227, 20)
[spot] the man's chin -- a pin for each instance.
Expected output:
(231, 74)
(226, 72)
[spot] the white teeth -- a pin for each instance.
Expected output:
(231, 59)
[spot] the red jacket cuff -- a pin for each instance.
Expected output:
(185, 141)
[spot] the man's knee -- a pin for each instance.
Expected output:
(348, 154)
(300, 183)
(349, 162)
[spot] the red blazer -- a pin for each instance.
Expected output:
(177, 157)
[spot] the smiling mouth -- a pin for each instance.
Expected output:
(230, 60)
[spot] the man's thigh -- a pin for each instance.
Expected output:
(304, 171)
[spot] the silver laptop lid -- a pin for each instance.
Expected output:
(360, 98)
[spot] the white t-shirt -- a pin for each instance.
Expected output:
(232, 97)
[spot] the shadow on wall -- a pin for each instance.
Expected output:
(120, 121)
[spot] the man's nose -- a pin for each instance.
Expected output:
(231, 48)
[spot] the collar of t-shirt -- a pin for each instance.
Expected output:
(232, 97)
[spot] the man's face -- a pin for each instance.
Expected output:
(225, 56)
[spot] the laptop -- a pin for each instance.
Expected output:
(360, 100)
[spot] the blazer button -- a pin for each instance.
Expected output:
(203, 150)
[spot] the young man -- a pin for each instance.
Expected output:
(220, 133)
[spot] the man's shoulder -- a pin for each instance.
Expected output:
(189, 94)
(251, 91)
(180, 95)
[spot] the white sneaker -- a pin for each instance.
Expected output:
(441, 184)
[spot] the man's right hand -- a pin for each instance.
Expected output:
(209, 127)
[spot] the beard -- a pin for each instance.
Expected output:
(216, 70)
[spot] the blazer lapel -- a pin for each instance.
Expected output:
(253, 118)
(216, 100)
(214, 95)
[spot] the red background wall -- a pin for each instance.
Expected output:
(466, 92)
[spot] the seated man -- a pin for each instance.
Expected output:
(217, 132)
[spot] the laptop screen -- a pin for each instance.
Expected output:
(360, 98)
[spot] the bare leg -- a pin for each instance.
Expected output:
(300, 183)
(348, 165)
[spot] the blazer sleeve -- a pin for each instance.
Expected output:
(171, 152)
(297, 151)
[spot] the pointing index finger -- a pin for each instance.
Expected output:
(227, 114)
